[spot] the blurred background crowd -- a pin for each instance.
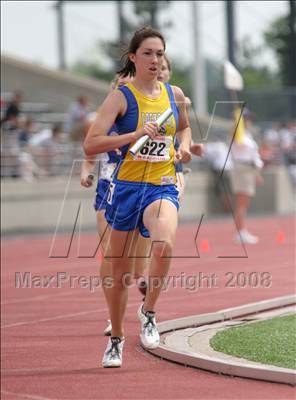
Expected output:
(32, 148)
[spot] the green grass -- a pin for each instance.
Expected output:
(269, 342)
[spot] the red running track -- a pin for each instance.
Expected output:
(52, 340)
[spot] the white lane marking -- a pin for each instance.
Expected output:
(62, 316)
(35, 298)
(27, 396)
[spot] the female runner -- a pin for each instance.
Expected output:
(142, 196)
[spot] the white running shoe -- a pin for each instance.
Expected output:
(149, 334)
(108, 329)
(244, 236)
(113, 354)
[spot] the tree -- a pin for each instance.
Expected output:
(93, 69)
(255, 74)
(281, 37)
(144, 13)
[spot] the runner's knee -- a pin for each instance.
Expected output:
(162, 248)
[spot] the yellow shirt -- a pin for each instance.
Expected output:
(155, 162)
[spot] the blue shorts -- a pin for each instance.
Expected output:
(127, 202)
(102, 193)
(179, 167)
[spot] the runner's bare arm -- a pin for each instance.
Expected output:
(184, 130)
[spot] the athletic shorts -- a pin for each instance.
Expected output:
(127, 201)
(102, 193)
(243, 179)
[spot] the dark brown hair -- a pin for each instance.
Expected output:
(135, 43)
(168, 62)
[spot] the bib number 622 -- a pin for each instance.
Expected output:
(152, 148)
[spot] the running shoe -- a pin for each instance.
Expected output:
(113, 354)
(108, 329)
(244, 236)
(149, 334)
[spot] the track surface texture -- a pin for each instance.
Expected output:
(52, 341)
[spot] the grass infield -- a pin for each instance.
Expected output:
(269, 342)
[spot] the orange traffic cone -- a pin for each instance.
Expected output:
(204, 246)
(280, 237)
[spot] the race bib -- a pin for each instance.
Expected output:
(155, 150)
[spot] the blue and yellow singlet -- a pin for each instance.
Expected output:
(155, 162)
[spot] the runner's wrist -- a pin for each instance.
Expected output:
(137, 134)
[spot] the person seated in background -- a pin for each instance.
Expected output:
(267, 154)
(287, 141)
(271, 135)
(45, 148)
(269, 150)
(9, 137)
(25, 131)
(288, 147)
(2, 105)
(28, 169)
(13, 110)
(76, 123)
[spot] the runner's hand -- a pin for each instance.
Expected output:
(151, 129)
(86, 179)
(183, 155)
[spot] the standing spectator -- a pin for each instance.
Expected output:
(76, 120)
(244, 175)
